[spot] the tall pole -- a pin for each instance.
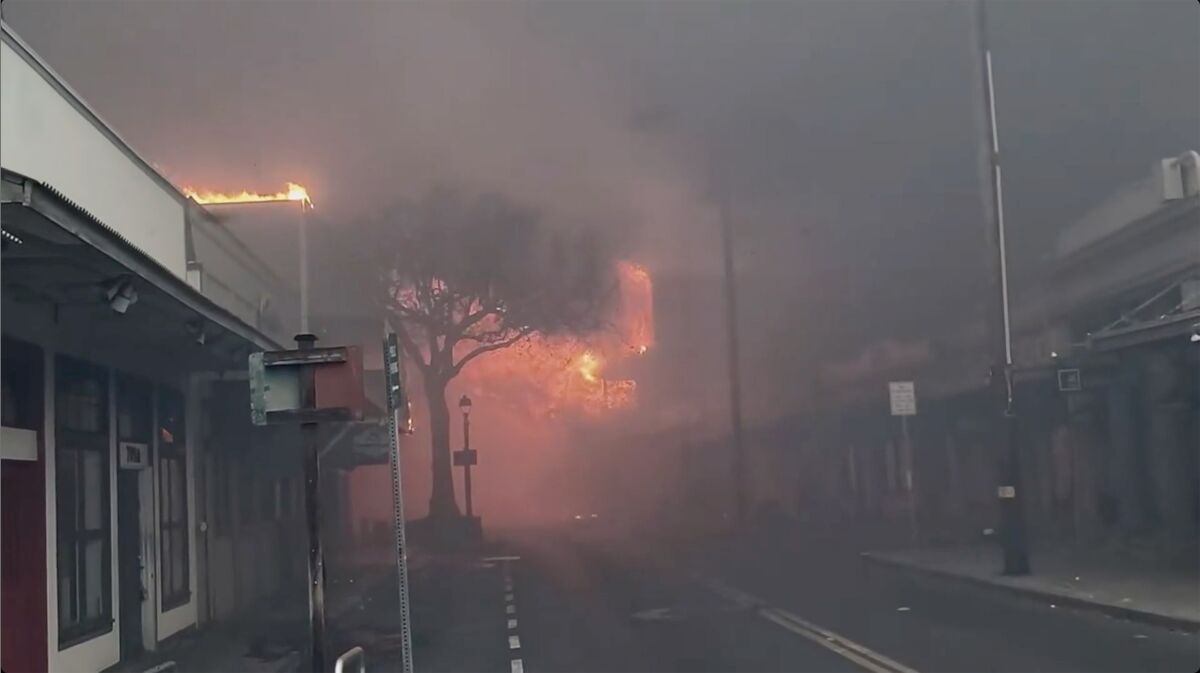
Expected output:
(467, 463)
(304, 210)
(1012, 516)
(735, 382)
(312, 508)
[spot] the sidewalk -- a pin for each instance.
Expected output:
(217, 649)
(1120, 587)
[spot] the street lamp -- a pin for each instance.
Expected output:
(466, 456)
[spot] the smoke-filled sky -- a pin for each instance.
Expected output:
(840, 133)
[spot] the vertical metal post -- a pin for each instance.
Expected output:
(396, 398)
(1012, 515)
(312, 507)
(467, 463)
(908, 479)
(304, 210)
(735, 379)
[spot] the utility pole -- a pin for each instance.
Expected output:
(735, 382)
(312, 507)
(1012, 515)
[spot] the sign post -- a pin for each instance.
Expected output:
(397, 405)
(303, 386)
(903, 398)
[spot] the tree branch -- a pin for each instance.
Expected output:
(521, 334)
(411, 347)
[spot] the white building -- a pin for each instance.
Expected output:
(136, 502)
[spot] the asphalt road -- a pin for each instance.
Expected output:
(583, 600)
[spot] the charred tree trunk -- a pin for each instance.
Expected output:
(442, 504)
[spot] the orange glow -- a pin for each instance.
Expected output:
(589, 365)
(558, 375)
(294, 192)
(636, 320)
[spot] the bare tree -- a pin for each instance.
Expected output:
(464, 276)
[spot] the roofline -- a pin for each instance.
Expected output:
(74, 219)
(10, 37)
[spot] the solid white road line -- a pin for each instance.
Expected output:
(859, 654)
(514, 642)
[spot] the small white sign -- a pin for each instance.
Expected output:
(903, 396)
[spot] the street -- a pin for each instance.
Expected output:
(587, 600)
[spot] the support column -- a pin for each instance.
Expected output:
(1123, 469)
(1166, 411)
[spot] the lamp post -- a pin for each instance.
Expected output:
(468, 456)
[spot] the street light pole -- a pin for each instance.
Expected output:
(1012, 516)
(735, 379)
(464, 403)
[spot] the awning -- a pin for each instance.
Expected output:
(57, 255)
(1165, 314)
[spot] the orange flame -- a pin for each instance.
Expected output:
(294, 192)
(560, 374)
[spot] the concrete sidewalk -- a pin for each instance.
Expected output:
(1120, 587)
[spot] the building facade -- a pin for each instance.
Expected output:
(136, 501)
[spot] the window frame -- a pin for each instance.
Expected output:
(71, 445)
(172, 525)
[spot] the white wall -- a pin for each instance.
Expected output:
(45, 137)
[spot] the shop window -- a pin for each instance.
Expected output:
(82, 496)
(172, 501)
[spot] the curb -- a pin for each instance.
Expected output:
(1119, 611)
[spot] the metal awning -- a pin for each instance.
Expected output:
(57, 254)
(1151, 320)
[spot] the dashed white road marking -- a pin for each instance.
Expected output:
(510, 608)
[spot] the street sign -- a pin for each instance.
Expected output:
(397, 395)
(465, 457)
(276, 378)
(1069, 380)
(399, 420)
(903, 396)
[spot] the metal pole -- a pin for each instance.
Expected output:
(1012, 516)
(396, 401)
(312, 506)
(304, 268)
(735, 383)
(908, 479)
(467, 463)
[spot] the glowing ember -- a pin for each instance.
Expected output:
(294, 192)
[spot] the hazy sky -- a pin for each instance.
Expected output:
(841, 133)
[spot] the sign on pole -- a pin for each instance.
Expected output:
(903, 397)
(398, 410)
